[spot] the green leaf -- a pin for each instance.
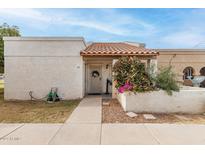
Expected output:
(6, 30)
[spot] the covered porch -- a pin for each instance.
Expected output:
(99, 59)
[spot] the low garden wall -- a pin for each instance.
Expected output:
(189, 100)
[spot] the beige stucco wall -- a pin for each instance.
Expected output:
(35, 64)
(181, 60)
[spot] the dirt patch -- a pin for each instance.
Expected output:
(35, 111)
(113, 113)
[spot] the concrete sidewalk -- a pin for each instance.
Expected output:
(110, 134)
(27, 133)
(84, 127)
(152, 134)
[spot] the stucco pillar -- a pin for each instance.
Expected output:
(153, 66)
(114, 91)
(148, 65)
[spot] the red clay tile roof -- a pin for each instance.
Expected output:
(116, 49)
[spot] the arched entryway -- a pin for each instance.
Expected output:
(202, 71)
(188, 72)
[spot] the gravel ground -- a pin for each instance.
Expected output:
(113, 113)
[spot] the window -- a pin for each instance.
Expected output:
(188, 72)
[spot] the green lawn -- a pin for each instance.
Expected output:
(34, 111)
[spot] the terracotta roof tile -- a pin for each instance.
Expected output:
(116, 49)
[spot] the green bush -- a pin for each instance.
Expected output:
(130, 72)
(6, 30)
(166, 80)
(1, 70)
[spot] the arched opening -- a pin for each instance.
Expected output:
(202, 71)
(188, 72)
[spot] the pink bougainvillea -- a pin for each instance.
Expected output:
(121, 89)
(126, 87)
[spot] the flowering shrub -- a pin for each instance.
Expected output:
(130, 75)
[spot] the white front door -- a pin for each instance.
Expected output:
(95, 79)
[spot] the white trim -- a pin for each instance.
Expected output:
(180, 50)
(14, 38)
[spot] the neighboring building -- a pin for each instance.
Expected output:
(39, 63)
(185, 62)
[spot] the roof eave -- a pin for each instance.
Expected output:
(90, 55)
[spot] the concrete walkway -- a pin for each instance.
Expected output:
(88, 111)
(84, 127)
(84, 124)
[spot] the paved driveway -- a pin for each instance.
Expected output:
(84, 127)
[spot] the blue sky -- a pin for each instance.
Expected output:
(158, 28)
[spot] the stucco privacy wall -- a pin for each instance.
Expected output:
(188, 100)
(37, 64)
(182, 59)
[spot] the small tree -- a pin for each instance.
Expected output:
(130, 74)
(6, 30)
(166, 80)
